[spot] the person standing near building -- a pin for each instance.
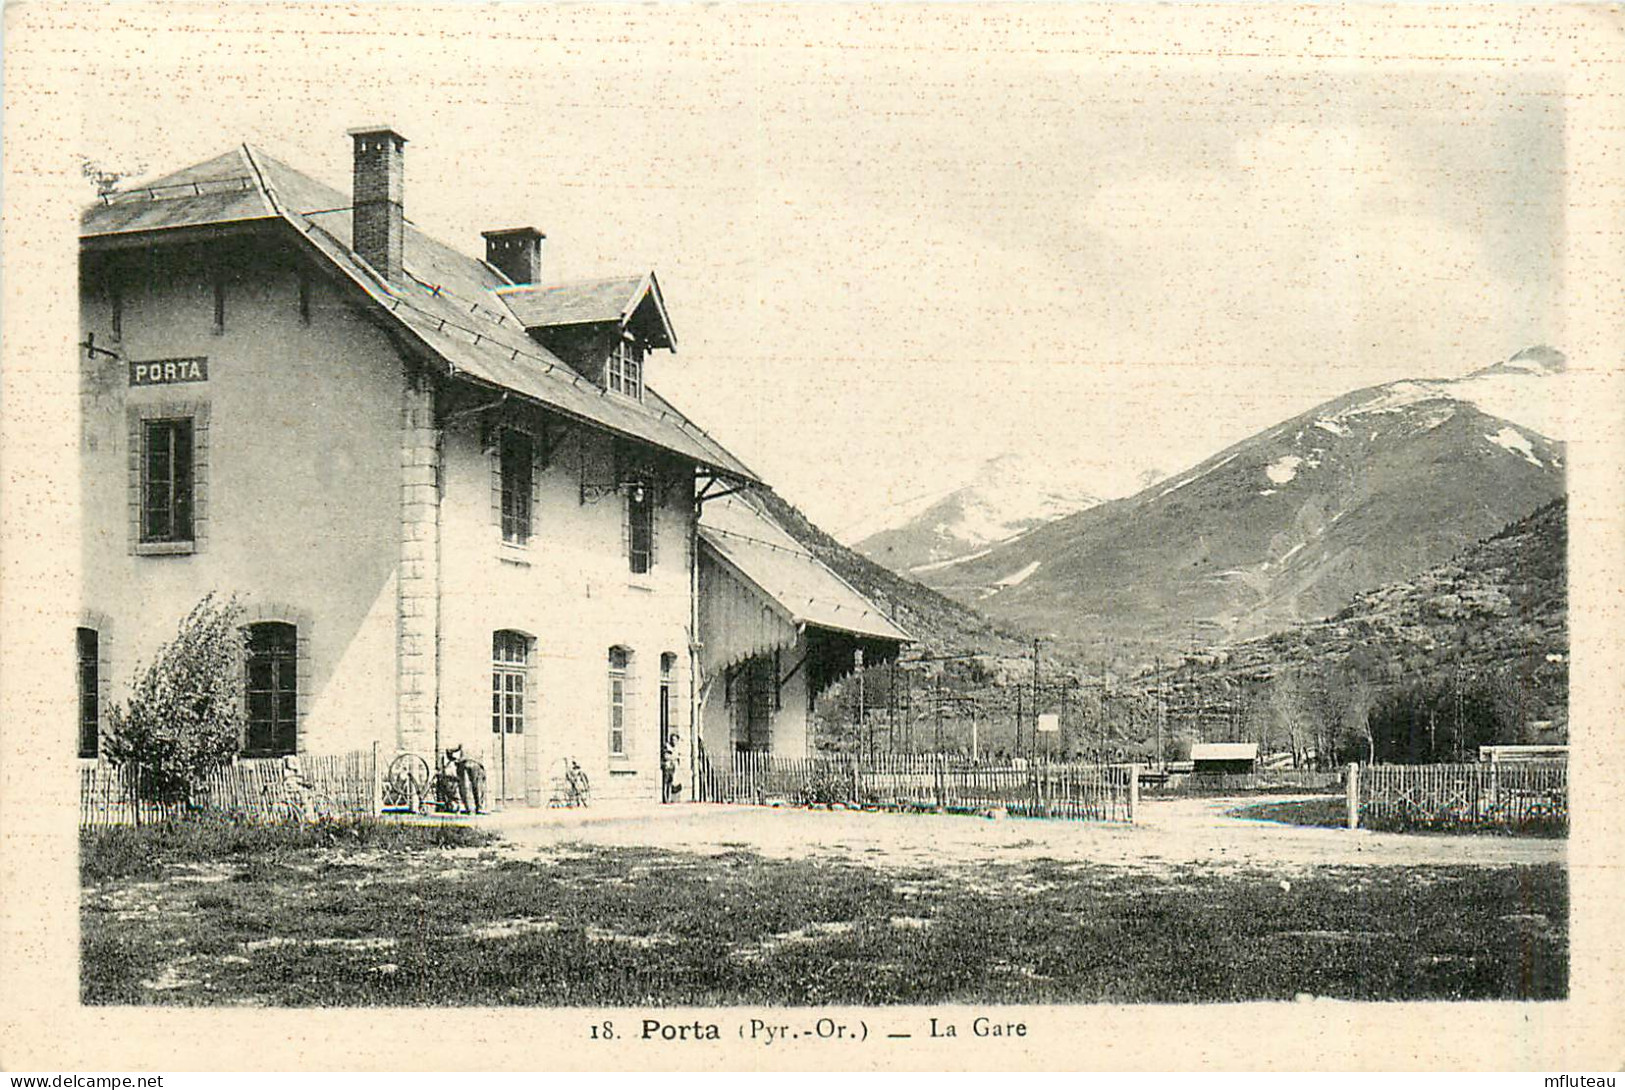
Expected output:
(470, 775)
(670, 789)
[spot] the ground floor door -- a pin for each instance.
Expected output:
(512, 717)
(755, 698)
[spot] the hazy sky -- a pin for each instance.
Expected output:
(897, 243)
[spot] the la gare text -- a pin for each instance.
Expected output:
(769, 1031)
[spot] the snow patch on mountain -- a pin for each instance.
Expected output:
(1515, 442)
(1196, 476)
(1527, 389)
(1017, 578)
(1435, 419)
(1331, 426)
(896, 514)
(1003, 499)
(1283, 469)
(939, 565)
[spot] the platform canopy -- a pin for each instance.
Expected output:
(761, 590)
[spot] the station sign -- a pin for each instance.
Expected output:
(1049, 723)
(169, 372)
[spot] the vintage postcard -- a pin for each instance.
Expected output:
(863, 536)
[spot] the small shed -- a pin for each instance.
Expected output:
(1224, 758)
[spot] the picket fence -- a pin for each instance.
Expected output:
(1525, 795)
(1274, 779)
(251, 790)
(1083, 792)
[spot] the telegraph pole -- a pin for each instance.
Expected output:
(1162, 710)
(891, 707)
(1036, 642)
(1064, 687)
(937, 703)
(857, 667)
(1019, 697)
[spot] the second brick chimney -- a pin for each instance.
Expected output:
(517, 251)
(379, 229)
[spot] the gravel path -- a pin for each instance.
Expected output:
(1170, 833)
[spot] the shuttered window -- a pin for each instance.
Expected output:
(620, 680)
(89, 648)
(273, 690)
(518, 457)
(167, 473)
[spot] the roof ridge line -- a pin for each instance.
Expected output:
(510, 287)
(259, 180)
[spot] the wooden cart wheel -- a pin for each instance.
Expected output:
(407, 783)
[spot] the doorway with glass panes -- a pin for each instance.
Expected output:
(513, 707)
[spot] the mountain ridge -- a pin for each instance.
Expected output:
(1285, 525)
(1006, 496)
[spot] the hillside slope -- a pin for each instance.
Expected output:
(1285, 526)
(1498, 612)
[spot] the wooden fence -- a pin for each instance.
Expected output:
(1085, 792)
(257, 790)
(1527, 796)
(1275, 779)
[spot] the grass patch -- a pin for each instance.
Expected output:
(1542, 828)
(1328, 813)
(643, 927)
(145, 851)
(1333, 813)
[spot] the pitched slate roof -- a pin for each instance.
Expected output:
(450, 304)
(219, 191)
(746, 538)
(583, 301)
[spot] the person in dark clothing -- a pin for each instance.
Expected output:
(445, 786)
(470, 780)
(670, 788)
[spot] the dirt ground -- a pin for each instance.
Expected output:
(696, 905)
(1169, 834)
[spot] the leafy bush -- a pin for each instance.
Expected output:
(825, 787)
(184, 717)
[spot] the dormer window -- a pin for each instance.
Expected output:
(626, 369)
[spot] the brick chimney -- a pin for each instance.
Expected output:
(517, 251)
(380, 181)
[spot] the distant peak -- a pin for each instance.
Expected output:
(1539, 360)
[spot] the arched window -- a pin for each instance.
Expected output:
(273, 690)
(620, 683)
(510, 675)
(90, 704)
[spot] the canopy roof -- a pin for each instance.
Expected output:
(449, 304)
(739, 535)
